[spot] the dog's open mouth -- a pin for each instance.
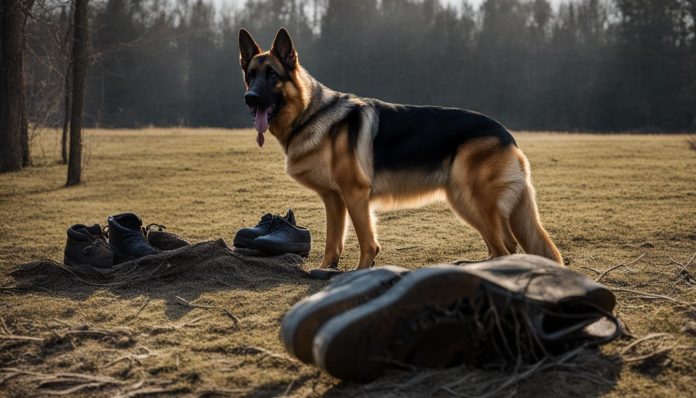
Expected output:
(262, 116)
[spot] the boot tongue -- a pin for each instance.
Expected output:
(261, 124)
(290, 217)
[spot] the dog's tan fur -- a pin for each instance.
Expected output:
(486, 186)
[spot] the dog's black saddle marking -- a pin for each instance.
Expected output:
(422, 137)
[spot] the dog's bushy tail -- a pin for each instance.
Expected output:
(527, 228)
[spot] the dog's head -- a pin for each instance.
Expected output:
(270, 79)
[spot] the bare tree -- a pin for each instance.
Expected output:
(24, 123)
(11, 86)
(66, 97)
(79, 69)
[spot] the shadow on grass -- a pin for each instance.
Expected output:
(27, 192)
(590, 373)
(187, 272)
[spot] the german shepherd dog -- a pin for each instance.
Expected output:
(359, 153)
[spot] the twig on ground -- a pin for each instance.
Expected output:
(19, 338)
(137, 358)
(192, 321)
(605, 273)
(652, 296)
(227, 312)
(683, 274)
(93, 332)
(642, 339)
(682, 266)
(62, 322)
(650, 355)
(266, 353)
(150, 391)
(142, 308)
(288, 389)
(661, 337)
(76, 381)
(8, 335)
(4, 326)
(591, 269)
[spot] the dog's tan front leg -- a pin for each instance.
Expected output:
(358, 202)
(335, 228)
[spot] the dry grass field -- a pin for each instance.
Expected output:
(606, 200)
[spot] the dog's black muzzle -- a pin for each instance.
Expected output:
(252, 98)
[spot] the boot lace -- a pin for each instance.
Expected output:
(279, 225)
(154, 227)
(267, 219)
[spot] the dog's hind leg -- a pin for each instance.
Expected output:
(335, 228)
(508, 236)
(484, 219)
(482, 189)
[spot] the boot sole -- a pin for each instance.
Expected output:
(245, 243)
(354, 345)
(295, 248)
(301, 323)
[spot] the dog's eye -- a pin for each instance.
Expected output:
(272, 75)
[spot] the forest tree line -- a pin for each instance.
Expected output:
(598, 65)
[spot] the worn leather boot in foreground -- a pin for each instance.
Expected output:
(87, 245)
(511, 310)
(127, 238)
(347, 291)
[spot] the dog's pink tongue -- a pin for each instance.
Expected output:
(260, 139)
(261, 124)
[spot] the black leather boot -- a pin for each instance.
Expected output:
(127, 238)
(285, 237)
(87, 245)
(245, 236)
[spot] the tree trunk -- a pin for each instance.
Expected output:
(26, 150)
(79, 69)
(24, 136)
(66, 116)
(11, 90)
(65, 49)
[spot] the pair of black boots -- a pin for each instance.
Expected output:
(275, 234)
(504, 312)
(124, 239)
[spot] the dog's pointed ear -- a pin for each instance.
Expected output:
(247, 48)
(283, 49)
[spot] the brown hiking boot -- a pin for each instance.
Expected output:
(163, 240)
(87, 245)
